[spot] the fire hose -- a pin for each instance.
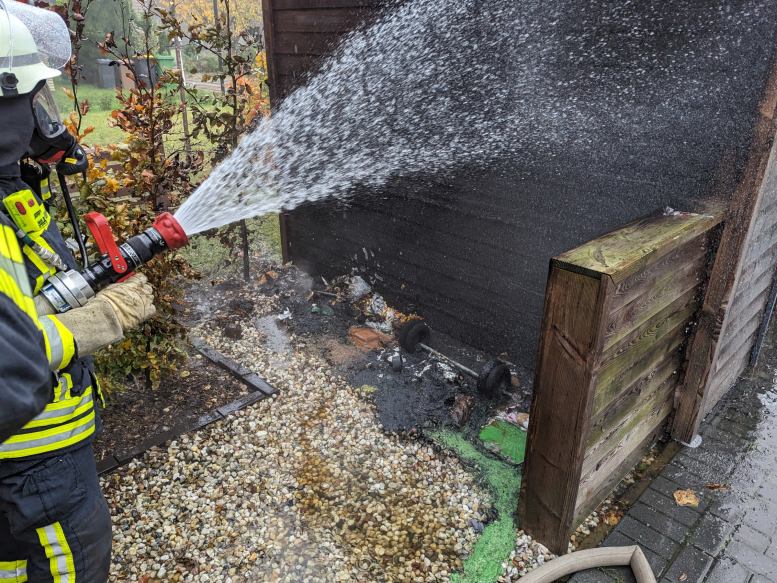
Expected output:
(592, 559)
(71, 289)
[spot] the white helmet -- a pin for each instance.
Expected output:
(33, 43)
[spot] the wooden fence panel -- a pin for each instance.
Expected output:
(727, 325)
(617, 314)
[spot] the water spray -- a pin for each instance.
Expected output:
(73, 289)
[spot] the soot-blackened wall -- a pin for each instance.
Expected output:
(470, 251)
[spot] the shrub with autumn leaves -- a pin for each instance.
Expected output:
(151, 169)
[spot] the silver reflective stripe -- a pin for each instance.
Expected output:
(13, 571)
(20, 60)
(20, 445)
(17, 272)
(58, 556)
(55, 343)
(54, 413)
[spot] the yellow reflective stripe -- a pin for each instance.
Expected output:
(45, 189)
(62, 347)
(50, 440)
(61, 564)
(100, 394)
(13, 571)
(9, 245)
(66, 400)
(44, 268)
(9, 287)
(16, 286)
(83, 432)
(52, 416)
(53, 432)
(55, 351)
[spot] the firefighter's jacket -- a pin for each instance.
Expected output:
(69, 419)
(24, 368)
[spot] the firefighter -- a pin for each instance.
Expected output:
(54, 522)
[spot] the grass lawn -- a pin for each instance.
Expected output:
(101, 103)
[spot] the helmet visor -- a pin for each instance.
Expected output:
(48, 30)
(47, 120)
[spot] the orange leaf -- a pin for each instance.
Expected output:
(686, 498)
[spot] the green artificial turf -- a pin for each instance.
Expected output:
(508, 437)
(493, 547)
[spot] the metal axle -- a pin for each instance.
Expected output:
(449, 360)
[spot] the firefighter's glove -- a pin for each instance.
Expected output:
(114, 311)
(132, 300)
(74, 161)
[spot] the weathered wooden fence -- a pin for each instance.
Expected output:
(617, 317)
(740, 279)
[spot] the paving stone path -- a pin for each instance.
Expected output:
(731, 537)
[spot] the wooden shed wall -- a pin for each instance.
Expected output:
(470, 252)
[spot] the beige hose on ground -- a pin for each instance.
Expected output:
(591, 559)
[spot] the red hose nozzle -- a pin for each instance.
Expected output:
(171, 231)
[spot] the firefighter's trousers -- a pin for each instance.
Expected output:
(55, 526)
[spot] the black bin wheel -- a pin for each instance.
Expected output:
(494, 377)
(412, 334)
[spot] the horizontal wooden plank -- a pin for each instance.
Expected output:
(769, 207)
(622, 372)
(632, 399)
(685, 283)
(334, 20)
(762, 242)
(621, 459)
(670, 316)
(325, 4)
(644, 413)
(306, 43)
(624, 252)
(750, 290)
(724, 380)
(637, 284)
(297, 65)
(740, 335)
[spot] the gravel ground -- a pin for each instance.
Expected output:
(301, 487)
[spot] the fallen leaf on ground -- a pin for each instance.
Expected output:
(612, 518)
(686, 498)
(461, 409)
(683, 577)
(717, 486)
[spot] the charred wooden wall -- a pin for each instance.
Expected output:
(470, 252)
